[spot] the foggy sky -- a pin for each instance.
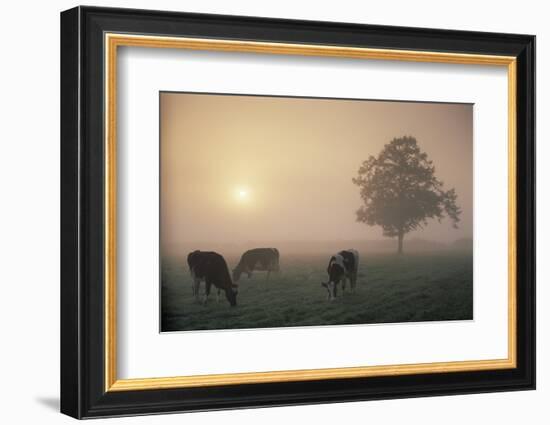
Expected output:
(295, 158)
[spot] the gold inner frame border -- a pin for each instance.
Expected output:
(111, 43)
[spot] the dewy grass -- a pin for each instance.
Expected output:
(390, 289)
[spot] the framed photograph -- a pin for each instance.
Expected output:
(261, 212)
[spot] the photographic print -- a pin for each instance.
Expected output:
(284, 183)
(290, 211)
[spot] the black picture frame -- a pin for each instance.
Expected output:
(83, 392)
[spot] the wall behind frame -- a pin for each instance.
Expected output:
(29, 172)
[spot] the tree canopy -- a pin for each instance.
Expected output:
(400, 191)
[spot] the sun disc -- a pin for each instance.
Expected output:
(242, 194)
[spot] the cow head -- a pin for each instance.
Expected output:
(335, 274)
(236, 274)
(237, 271)
(231, 294)
(331, 290)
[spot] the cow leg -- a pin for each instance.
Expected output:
(332, 291)
(218, 295)
(193, 278)
(343, 285)
(196, 286)
(353, 282)
(207, 286)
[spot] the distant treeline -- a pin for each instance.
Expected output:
(320, 247)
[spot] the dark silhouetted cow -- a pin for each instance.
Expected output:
(212, 268)
(261, 259)
(341, 266)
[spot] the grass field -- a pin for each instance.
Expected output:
(390, 288)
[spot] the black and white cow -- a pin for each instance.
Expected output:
(261, 259)
(212, 268)
(341, 267)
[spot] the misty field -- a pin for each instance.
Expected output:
(390, 288)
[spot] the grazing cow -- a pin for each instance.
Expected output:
(261, 259)
(341, 266)
(212, 268)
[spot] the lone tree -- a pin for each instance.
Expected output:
(400, 191)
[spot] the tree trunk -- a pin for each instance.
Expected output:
(400, 243)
